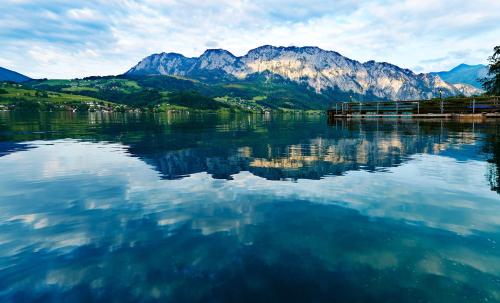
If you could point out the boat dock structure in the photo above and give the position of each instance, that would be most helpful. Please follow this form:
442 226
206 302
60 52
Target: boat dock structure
436 108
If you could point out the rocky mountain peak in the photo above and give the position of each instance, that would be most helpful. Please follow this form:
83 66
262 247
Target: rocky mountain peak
321 70
214 52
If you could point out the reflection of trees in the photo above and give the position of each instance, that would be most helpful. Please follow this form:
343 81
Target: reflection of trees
492 147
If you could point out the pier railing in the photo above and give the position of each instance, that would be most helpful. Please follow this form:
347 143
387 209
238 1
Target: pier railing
477 105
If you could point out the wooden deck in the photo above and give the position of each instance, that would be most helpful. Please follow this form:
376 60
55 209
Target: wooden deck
479 107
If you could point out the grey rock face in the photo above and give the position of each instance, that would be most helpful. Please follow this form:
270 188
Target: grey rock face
319 69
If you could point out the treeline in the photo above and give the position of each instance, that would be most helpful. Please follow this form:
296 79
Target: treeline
19 103
265 90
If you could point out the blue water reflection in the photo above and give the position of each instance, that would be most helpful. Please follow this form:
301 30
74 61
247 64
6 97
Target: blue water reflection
247 209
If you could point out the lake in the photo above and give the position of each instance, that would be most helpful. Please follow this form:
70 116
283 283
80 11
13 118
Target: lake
247 208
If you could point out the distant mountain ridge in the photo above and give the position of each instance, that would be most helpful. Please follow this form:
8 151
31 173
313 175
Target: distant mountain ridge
8 75
465 74
326 72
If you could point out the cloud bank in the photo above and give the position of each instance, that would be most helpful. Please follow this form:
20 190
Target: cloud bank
65 39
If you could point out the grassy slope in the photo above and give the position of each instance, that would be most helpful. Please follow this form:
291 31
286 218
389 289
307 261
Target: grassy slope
155 92
260 92
17 92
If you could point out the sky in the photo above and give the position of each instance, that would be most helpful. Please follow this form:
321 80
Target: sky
68 39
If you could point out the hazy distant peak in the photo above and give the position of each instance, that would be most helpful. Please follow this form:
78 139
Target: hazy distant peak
465 66
465 74
9 75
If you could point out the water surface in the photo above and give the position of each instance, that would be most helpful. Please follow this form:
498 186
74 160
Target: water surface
236 208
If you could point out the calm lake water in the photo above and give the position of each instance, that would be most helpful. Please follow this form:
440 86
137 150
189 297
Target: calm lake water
247 208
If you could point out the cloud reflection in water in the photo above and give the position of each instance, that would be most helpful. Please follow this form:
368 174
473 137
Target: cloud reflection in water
84 220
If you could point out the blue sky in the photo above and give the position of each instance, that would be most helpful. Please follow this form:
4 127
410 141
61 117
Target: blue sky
65 39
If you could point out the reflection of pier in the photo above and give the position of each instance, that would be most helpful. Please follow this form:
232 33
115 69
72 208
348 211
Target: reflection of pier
481 107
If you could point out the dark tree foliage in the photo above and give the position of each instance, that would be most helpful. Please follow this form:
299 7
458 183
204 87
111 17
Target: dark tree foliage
54 88
163 82
492 83
41 94
28 105
195 100
144 97
492 147
3 91
99 77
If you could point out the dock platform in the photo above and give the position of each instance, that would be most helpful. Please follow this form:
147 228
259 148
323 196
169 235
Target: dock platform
452 108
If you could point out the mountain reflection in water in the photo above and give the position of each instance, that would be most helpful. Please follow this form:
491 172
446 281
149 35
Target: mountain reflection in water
276 148
183 208
341 148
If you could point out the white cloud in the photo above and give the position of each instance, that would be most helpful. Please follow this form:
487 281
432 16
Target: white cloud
407 33
83 14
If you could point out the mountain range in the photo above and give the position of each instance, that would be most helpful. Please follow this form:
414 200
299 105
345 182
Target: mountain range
8 75
465 74
325 72
267 77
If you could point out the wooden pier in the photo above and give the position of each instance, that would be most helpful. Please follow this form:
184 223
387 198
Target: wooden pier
481 107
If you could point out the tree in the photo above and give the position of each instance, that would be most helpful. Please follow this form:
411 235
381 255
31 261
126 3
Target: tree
492 83
41 94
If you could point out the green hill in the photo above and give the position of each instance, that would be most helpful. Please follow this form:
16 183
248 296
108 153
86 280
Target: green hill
22 96
260 92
